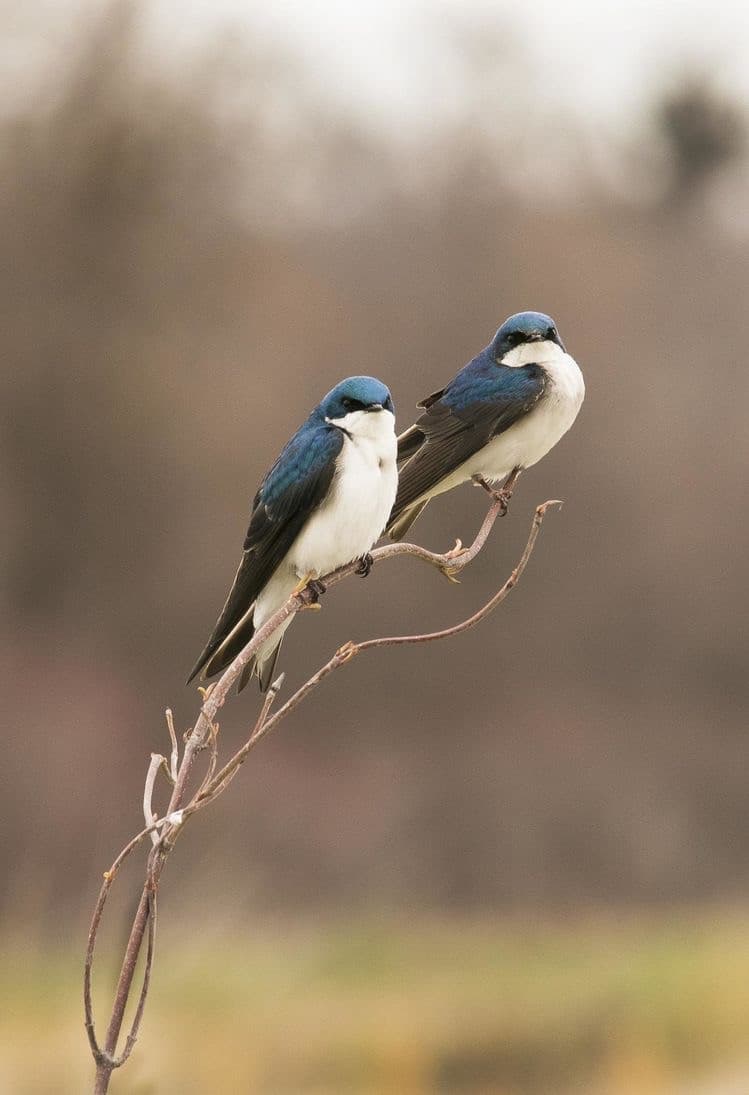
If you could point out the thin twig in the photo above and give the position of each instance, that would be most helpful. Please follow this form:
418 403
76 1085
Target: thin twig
213 741
130 1040
174 758
213 787
477 617
109 877
148 815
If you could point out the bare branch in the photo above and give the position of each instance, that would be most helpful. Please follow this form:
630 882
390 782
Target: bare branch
213 742
109 877
204 734
135 1027
212 788
482 613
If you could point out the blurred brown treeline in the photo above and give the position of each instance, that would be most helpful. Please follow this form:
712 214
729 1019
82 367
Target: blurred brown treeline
187 265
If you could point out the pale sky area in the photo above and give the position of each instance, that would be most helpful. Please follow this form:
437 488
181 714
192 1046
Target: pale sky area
392 60
389 55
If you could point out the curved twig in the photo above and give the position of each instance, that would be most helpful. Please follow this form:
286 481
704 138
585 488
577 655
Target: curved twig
130 1040
109 876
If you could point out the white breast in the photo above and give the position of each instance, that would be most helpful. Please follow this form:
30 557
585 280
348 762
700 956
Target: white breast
353 516
347 524
525 443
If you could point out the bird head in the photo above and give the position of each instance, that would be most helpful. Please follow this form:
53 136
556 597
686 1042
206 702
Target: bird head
526 337
358 403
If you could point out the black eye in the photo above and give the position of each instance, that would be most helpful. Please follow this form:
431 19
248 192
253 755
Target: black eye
516 338
352 404
551 333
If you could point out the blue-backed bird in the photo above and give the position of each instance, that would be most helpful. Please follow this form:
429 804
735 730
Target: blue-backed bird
501 413
324 503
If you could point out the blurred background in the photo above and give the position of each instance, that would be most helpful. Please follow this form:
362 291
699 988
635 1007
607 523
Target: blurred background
523 875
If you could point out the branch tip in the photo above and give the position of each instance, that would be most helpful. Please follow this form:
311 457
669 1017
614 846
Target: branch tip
174 759
148 815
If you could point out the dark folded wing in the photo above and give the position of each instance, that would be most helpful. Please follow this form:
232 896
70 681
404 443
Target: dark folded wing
294 487
452 429
409 443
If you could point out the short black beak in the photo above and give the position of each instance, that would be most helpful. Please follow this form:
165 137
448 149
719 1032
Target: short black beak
374 407
537 336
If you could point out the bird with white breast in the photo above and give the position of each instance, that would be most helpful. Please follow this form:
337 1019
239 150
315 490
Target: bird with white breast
499 415
324 503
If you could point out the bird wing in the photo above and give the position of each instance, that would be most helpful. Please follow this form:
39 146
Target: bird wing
411 441
292 490
458 421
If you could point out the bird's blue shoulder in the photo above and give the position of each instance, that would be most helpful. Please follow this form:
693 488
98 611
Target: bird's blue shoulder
484 381
309 455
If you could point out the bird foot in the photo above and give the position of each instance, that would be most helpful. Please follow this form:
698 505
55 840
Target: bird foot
347 652
501 494
450 573
364 565
503 497
311 594
312 587
454 553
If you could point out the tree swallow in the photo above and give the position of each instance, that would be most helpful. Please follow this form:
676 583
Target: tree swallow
501 413
324 503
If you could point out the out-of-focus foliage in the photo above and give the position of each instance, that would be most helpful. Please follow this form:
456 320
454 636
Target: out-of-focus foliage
703 132
188 263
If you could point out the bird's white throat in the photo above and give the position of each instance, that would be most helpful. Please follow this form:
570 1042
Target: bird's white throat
367 425
533 353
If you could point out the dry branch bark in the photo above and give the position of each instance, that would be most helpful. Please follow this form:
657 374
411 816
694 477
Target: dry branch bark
165 831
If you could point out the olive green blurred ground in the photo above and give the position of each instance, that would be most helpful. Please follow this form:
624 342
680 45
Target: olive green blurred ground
606 1006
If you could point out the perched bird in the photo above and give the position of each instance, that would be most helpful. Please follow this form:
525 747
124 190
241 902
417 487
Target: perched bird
501 413
324 503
